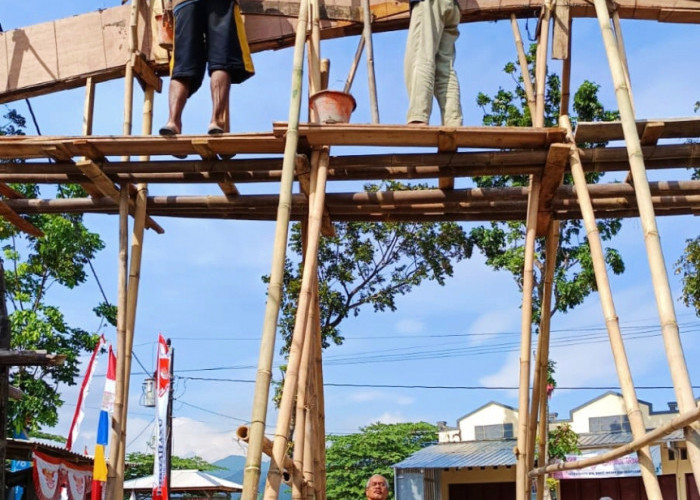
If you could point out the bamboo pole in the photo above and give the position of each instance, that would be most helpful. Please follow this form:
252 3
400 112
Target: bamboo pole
682 420
89 106
634 413
300 437
539 386
524 68
355 63
566 76
290 381
659 276
623 53
251 474
314 50
115 476
367 35
137 233
243 433
320 456
522 485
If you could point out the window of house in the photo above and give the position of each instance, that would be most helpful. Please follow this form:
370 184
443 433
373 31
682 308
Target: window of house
613 424
497 431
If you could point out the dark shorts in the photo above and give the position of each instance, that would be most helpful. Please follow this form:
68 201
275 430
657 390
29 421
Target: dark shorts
206 37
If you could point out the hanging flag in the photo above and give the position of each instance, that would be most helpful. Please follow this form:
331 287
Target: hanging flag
84 389
99 471
160 467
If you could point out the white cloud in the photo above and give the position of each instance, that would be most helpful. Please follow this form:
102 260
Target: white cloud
192 437
410 326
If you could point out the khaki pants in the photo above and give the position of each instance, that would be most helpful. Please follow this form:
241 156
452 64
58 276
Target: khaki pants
429 61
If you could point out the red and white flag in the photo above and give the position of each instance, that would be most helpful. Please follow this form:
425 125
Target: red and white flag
160 466
84 389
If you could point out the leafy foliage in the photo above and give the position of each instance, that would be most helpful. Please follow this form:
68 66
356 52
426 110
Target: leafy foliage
688 266
502 243
562 441
141 464
32 266
352 459
371 264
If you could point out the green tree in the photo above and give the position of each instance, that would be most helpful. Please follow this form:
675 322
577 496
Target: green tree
32 267
371 264
688 266
563 441
352 459
141 464
502 243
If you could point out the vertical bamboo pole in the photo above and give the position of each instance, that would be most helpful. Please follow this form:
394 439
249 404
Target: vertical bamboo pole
367 35
524 68
314 52
566 77
634 413
522 483
135 263
89 106
115 475
320 458
539 386
659 276
279 447
251 474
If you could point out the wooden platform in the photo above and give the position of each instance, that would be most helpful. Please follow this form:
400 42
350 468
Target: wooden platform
479 151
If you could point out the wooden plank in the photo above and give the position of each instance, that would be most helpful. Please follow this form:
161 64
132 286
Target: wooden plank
447 143
424 136
31 54
651 133
560 33
146 75
99 179
81 34
674 128
23 225
29 358
552 176
4 76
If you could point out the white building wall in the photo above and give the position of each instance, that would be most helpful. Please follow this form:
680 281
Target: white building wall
491 414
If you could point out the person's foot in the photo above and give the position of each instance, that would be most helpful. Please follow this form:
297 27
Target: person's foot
168 130
214 129
416 123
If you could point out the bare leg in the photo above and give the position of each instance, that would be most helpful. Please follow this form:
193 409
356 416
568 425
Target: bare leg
177 97
220 86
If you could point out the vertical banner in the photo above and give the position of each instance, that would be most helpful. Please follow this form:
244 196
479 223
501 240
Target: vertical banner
160 467
84 388
99 471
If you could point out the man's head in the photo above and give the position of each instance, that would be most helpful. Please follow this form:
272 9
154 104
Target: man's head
377 488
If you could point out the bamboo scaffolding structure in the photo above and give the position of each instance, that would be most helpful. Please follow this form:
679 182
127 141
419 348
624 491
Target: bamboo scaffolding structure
634 414
320 452
539 385
682 420
89 106
291 378
251 473
243 433
659 277
367 35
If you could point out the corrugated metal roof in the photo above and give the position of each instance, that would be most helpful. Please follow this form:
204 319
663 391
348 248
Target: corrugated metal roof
609 440
464 454
186 480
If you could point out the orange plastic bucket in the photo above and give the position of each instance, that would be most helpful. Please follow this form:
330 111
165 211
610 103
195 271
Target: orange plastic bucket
332 106
165 31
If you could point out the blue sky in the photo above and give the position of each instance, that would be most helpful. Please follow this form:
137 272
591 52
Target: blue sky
201 286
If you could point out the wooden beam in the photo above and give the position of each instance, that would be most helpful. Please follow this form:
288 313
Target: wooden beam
557 160
447 143
145 74
23 225
29 358
673 128
425 136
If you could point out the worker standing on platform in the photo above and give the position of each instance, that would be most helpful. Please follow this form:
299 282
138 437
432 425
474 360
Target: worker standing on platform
429 61
208 33
377 488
